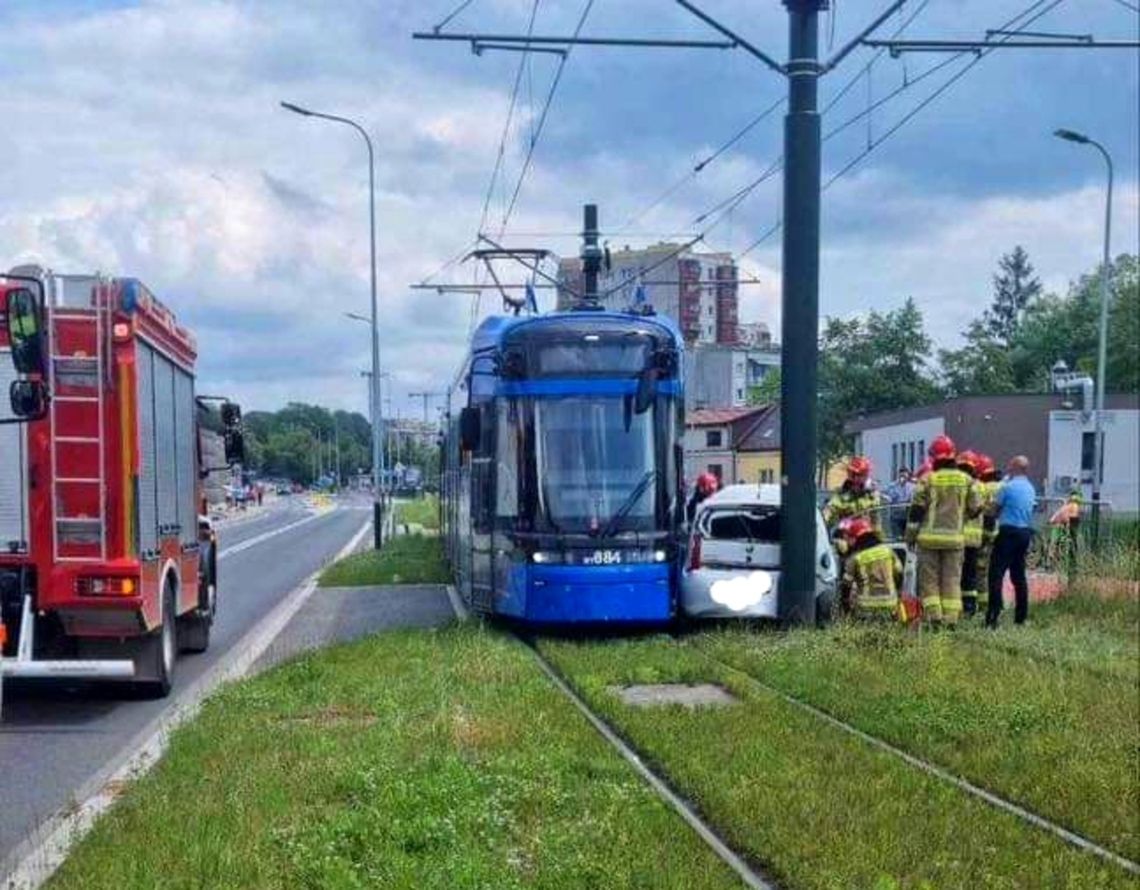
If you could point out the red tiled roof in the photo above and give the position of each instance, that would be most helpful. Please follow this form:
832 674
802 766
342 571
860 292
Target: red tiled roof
721 416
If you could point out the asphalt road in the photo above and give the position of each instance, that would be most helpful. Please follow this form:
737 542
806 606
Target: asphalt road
56 738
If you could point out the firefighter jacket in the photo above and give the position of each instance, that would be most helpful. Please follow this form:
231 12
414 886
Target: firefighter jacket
847 502
875 576
973 530
989 506
942 504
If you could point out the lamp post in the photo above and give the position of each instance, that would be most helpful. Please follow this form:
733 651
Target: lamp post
377 444
375 410
1102 338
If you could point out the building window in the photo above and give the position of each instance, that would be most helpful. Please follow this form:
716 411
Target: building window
767 477
717 471
894 460
921 451
1088 447
910 460
713 439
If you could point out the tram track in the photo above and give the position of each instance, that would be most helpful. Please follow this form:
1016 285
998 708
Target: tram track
1003 804
751 876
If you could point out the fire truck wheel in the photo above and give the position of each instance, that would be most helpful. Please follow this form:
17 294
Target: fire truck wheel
155 663
194 627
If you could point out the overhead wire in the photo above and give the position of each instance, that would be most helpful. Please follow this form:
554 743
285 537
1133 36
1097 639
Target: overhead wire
447 18
1128 5
543 116
1035 12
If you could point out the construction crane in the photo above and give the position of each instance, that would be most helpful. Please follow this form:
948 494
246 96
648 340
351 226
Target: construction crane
425 396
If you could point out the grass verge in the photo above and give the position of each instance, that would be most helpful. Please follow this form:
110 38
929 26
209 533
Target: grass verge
423 511
442 759
405 559
1018 713
816 806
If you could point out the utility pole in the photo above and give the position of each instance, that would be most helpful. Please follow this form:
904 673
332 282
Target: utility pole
425 396
800 319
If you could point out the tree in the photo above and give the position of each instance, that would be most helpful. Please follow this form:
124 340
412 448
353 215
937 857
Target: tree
767 390
877 363
1015 289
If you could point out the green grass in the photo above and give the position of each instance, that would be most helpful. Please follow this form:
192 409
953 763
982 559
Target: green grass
424 511
439 759
1046 715
817 806
405 559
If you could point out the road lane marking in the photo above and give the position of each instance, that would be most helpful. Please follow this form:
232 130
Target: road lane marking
37 858
272 533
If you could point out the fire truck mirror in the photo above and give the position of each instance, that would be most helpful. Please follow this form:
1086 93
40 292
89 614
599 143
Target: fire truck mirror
231 415
29 399
26 331
235 447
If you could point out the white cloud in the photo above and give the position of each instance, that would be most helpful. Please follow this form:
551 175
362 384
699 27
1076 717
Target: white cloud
147 141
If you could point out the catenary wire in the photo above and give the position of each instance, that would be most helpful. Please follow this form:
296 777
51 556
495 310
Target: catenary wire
462 6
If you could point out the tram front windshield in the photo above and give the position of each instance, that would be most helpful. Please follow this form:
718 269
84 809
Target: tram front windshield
596 465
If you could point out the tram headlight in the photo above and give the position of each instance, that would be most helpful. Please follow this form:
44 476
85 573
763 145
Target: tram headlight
660 556
545 557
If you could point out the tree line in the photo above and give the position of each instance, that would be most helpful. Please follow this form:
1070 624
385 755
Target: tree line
300 442
885 360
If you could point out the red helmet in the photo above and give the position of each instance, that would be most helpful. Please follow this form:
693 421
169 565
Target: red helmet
707 483
986 467
856 527
925 470
942 448
858 467
968 461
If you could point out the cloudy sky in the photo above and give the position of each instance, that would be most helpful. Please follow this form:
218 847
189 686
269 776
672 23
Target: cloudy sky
145 139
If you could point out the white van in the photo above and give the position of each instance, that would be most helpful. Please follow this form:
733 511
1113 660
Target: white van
733 564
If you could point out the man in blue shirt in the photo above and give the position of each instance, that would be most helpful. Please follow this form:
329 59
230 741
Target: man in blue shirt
1014 503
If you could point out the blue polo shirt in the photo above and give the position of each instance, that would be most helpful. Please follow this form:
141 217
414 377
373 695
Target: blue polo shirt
1016 498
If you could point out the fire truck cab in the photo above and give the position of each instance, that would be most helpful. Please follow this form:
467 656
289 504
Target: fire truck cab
108 565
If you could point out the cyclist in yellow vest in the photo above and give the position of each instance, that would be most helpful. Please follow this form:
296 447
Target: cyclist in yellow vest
942 503
872 571
967 462
988 484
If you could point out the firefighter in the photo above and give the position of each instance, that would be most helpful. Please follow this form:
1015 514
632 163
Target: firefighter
967 462
856 497
707 484
872 572
942 503
988 485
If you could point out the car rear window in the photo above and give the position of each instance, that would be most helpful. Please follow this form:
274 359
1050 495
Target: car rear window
754 524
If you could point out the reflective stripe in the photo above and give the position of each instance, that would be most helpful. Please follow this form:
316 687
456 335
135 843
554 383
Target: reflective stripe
951 606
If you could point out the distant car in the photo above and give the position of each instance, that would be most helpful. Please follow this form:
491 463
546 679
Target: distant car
733 565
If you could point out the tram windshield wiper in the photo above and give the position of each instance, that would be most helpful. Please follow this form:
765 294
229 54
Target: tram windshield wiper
628 504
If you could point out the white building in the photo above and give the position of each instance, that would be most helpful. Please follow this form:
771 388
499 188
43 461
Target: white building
1055 432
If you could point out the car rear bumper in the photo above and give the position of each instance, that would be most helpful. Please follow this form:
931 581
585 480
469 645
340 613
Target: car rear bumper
736 593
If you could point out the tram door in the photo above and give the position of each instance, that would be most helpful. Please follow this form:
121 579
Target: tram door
483 488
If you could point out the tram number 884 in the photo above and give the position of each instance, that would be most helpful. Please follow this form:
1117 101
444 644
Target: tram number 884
602 558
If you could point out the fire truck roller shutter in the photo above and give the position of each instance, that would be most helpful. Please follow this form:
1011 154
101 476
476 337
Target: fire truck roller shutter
185 420
166 456
13 466
147 484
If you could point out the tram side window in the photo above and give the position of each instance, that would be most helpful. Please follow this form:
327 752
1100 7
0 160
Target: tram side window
483 470
507 470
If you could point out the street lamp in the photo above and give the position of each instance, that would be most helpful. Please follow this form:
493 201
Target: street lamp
377 444
375 407
1102 343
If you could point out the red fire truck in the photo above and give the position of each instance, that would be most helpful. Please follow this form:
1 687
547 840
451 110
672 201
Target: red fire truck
107 565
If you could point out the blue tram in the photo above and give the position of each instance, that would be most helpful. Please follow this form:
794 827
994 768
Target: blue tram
562 464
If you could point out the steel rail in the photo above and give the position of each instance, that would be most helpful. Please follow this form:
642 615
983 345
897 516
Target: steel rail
746 872
994 800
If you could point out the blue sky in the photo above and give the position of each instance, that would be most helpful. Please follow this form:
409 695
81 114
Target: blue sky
145 139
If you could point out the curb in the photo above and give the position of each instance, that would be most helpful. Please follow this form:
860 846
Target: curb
36 859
